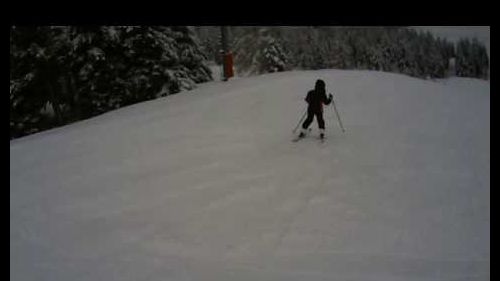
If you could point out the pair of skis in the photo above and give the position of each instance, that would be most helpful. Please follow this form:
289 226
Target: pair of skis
296 139
299 138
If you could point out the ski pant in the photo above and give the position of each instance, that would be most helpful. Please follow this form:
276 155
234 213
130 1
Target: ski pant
310 117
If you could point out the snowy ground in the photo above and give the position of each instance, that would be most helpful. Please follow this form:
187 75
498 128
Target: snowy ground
206 185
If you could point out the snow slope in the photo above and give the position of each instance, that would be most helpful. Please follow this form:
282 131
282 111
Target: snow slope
206 185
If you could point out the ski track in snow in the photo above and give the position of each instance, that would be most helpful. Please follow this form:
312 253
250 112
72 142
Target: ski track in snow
207 185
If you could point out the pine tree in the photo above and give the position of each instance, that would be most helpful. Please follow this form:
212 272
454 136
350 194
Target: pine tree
275 57
258 51
82 71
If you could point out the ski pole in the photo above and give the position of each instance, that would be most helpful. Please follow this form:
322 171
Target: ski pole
338 116
300 121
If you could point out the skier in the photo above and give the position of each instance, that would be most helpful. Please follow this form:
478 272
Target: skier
315 99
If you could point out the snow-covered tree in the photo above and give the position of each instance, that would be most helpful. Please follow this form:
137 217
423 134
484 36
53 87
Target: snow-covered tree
258 51
275 57
77 72
472 59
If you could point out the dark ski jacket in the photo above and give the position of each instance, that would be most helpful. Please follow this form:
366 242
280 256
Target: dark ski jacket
316 98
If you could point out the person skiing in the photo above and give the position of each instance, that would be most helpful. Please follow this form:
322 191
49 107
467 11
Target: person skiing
315 99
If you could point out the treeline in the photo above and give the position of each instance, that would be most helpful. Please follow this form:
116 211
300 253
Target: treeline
393 49
63 74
